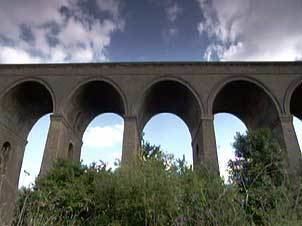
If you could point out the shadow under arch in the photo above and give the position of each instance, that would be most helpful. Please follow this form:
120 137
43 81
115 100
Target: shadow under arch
293 107
293 99
216 90
248 100
170 95
91 99
34 80
24 103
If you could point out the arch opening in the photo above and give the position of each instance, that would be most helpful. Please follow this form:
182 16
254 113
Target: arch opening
253 108
24 104
90 100
248 102
298 130
296 111
102 140
170 97
171 133
34 151
295 102
226 126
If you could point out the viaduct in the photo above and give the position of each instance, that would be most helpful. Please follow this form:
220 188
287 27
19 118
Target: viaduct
261 94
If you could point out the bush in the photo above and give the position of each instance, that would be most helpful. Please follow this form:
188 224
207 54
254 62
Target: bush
153 192
159 190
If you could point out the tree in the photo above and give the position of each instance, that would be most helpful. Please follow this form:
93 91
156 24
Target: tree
259 158
258 171
149 151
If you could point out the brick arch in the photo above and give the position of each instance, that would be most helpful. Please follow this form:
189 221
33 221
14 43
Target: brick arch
218 87
248 100
251 102
24 102
170 95
91 98
33 79
292 99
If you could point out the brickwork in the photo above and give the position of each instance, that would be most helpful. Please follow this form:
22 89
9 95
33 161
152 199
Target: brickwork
260 94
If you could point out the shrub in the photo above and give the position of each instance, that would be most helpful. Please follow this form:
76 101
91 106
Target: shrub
159 190
153 192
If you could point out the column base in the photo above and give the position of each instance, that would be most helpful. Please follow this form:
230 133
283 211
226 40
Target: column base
8 194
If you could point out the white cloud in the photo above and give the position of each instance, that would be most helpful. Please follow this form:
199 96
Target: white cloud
15 56
78 36
200 28
111 6
252 30
173 11
33 12
100 137
173 31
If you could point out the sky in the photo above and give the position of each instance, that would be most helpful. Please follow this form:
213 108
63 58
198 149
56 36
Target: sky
64 31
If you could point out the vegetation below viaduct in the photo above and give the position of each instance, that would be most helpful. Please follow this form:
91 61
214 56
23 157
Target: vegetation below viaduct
160 190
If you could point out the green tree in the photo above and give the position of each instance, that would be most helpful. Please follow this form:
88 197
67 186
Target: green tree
258 172
259 159
149 151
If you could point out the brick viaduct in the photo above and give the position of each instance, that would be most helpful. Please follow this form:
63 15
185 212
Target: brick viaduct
260 94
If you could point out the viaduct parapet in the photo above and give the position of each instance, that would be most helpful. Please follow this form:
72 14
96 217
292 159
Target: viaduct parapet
261 94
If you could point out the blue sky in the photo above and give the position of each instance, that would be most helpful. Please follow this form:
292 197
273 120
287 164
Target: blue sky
63 31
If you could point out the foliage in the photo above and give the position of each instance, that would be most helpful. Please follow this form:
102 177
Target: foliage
259 158
159 190
149 151
154 192
260 176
